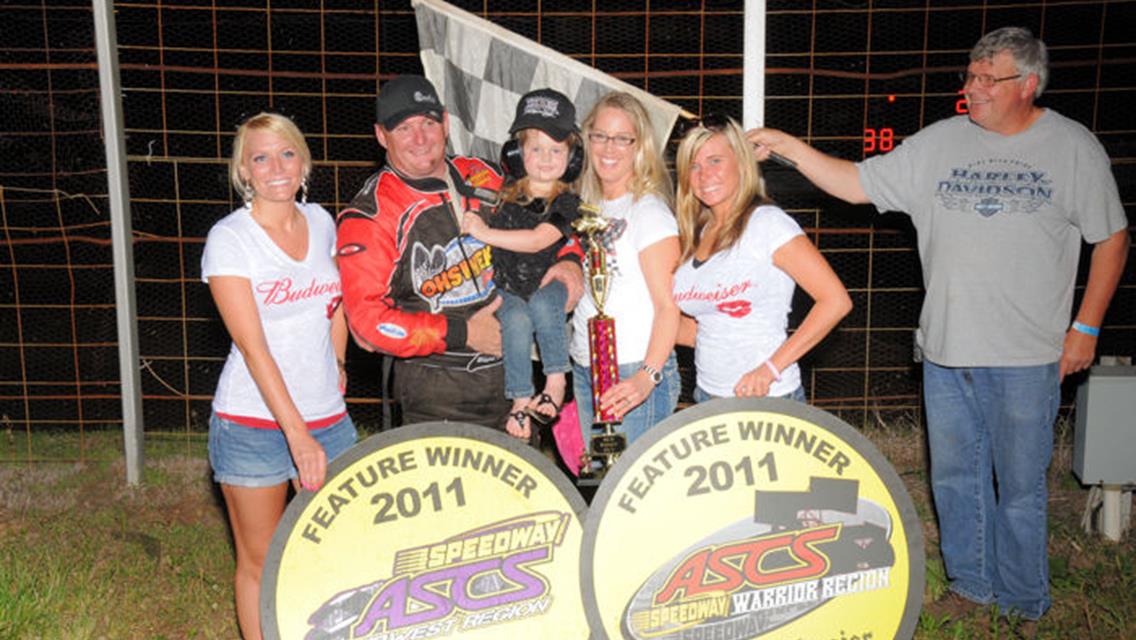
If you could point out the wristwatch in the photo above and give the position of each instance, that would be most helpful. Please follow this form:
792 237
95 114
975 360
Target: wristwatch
655 375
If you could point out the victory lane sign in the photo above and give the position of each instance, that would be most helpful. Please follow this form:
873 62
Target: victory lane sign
752 518
432 530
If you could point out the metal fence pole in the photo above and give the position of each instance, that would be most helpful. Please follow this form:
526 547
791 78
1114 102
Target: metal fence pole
753 68
121 236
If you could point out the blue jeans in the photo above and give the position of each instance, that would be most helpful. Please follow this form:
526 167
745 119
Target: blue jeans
543 315
797 394
250 457
660 404
990 432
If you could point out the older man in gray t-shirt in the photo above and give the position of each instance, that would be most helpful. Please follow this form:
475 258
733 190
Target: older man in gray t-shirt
1001 199
999 223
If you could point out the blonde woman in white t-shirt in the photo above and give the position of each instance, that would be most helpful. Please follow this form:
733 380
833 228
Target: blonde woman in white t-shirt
626 177
742 257
278 412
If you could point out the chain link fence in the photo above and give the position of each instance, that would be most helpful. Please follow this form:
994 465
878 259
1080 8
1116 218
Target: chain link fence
853 78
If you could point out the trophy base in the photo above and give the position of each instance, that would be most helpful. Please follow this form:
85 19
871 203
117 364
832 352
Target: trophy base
605 448
590 476
608 445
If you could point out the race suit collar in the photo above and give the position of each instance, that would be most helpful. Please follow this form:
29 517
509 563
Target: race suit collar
430 184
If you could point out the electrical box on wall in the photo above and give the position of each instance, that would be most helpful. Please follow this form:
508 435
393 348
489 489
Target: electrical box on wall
1104 445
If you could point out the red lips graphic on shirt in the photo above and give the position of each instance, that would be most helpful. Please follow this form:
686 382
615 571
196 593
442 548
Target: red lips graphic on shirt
735 308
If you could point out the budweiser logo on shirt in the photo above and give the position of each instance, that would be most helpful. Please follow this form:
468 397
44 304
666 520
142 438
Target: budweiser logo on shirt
284 291
713 295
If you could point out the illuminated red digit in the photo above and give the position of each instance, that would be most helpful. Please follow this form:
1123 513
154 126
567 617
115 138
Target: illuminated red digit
960 104
869 140
887 139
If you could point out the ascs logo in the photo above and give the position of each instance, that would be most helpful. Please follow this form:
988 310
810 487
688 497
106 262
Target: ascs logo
428 531
752 518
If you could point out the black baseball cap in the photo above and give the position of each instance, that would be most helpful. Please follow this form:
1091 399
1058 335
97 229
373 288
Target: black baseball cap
406 96
548 110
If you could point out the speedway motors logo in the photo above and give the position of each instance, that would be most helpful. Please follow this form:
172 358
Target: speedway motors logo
752 519
430 531
476 579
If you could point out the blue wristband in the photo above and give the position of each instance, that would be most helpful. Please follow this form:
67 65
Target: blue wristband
1086 329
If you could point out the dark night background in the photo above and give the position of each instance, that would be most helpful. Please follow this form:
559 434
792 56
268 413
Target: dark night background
190 69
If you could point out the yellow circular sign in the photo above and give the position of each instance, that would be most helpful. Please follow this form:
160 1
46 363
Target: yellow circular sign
752 518
427 531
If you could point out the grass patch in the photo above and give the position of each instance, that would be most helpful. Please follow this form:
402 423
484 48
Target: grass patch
83 555
1091 580
92 444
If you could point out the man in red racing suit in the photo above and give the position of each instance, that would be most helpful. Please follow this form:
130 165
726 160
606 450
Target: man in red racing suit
414 287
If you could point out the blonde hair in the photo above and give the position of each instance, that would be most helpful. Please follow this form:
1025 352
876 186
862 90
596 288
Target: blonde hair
692 215
648 173
272 123
518 190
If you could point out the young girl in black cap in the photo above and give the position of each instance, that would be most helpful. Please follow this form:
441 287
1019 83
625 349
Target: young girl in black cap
531 225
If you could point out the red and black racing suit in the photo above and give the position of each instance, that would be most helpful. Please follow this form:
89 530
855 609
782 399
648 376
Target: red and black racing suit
411 280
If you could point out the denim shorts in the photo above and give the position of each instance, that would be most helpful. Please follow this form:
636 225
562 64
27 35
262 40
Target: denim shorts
249 457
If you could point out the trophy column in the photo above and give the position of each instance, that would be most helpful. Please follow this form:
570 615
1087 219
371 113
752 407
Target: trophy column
606 445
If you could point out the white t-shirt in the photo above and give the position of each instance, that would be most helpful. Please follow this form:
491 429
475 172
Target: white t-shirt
294 300
648 220
999 221
741 301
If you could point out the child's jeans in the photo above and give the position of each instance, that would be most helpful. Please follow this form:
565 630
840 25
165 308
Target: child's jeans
543 315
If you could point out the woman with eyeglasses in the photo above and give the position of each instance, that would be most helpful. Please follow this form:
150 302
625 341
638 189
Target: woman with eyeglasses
626 177
742 257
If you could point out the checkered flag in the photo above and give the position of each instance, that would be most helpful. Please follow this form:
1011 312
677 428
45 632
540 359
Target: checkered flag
481 71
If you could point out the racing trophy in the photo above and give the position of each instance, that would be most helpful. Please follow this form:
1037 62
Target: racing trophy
606 446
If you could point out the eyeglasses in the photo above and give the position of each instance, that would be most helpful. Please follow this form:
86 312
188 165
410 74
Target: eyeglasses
620 140
984 80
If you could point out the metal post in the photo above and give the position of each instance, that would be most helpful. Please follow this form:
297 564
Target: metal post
753 69
1116 511
121 236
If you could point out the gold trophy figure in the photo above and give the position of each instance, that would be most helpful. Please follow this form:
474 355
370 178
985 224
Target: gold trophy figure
605 446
